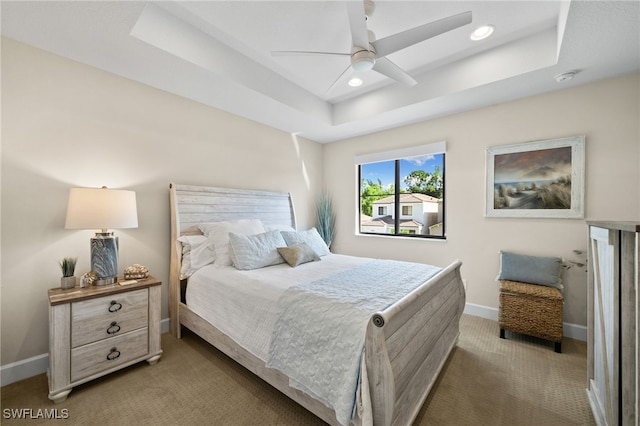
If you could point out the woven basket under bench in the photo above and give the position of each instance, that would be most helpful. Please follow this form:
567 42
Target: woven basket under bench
531 309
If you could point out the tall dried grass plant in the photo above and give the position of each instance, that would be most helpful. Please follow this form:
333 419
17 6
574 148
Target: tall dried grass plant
326 217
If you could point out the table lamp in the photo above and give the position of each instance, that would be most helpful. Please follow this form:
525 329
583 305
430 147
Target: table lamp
101 209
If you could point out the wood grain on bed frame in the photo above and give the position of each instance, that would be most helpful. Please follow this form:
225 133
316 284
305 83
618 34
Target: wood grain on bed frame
192 205
406 345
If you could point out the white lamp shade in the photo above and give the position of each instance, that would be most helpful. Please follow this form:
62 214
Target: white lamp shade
101 208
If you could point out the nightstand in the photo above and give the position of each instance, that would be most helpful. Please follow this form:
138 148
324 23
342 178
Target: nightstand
97 330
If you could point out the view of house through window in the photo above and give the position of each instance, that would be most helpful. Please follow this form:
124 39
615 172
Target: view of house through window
403 196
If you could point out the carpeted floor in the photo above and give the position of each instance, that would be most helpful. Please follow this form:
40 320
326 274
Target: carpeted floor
487 381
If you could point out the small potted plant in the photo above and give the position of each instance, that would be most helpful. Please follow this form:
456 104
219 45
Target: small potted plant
68 266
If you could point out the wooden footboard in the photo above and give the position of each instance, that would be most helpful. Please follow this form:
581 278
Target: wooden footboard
408 344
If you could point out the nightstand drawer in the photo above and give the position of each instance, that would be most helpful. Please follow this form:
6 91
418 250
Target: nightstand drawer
106 354
108 316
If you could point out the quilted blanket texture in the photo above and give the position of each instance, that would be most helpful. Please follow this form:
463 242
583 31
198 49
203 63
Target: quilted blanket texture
319 334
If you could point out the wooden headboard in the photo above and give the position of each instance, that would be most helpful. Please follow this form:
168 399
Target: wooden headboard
193 205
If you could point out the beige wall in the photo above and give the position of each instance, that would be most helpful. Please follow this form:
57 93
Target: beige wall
607 113
66 125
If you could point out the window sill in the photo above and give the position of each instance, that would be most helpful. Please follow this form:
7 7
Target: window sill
402 237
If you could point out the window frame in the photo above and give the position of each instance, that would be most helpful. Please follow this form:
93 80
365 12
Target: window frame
359 161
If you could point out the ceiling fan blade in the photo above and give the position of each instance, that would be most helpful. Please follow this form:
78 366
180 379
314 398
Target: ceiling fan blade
386 67
305 53
358 24
338 79
393 43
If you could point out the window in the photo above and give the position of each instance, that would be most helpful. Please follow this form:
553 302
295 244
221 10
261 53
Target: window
402 193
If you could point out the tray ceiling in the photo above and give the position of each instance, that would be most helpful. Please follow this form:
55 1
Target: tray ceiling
220 53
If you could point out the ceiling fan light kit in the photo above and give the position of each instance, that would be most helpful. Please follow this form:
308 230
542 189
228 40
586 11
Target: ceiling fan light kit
363 60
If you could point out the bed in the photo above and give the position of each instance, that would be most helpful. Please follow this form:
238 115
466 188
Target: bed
405 342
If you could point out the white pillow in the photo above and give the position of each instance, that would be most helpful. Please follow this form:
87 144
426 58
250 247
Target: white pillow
218 233
196 253
255 251
311 237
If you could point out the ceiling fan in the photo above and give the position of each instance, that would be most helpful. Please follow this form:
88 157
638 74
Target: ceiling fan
368 53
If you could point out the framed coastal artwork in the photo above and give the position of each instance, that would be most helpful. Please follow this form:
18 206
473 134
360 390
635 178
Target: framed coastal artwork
541 179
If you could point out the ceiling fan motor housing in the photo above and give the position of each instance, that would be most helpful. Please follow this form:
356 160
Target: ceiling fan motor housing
363 59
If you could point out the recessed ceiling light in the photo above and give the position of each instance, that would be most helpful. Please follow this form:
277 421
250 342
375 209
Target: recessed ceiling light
482 32
355 82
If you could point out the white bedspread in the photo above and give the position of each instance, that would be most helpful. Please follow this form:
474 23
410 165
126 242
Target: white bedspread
319 333
242 304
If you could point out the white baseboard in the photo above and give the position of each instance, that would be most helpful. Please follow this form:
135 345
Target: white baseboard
481 311
33 366
23 369
572 331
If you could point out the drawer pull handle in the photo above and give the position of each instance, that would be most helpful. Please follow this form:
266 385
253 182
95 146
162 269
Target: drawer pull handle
113 354
113 328
115 306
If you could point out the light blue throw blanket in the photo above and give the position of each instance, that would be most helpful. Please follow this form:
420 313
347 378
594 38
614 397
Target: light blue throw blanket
319 334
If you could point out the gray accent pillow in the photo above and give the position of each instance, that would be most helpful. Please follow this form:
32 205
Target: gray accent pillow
531 269
298 254
311 237
255 251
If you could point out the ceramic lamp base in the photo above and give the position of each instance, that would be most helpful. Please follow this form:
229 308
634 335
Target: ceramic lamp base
104 258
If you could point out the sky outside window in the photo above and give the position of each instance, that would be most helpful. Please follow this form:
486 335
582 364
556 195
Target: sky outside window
384 170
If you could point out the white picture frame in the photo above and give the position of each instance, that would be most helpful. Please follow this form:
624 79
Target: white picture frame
541 179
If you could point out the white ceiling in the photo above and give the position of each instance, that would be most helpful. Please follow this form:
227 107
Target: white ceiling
219 53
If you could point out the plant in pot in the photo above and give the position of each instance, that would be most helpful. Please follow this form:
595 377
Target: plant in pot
68 266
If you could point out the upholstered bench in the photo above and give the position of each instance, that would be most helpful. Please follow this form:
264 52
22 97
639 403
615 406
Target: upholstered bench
531 302
531 309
